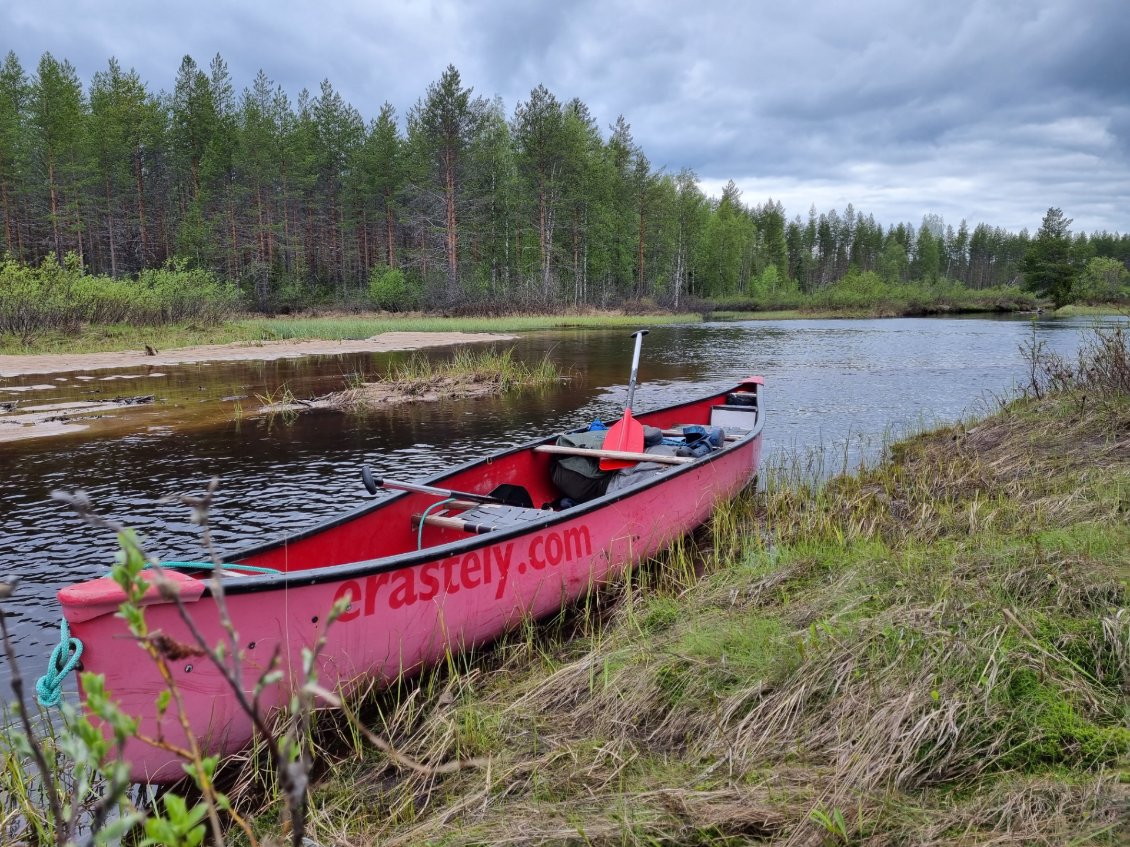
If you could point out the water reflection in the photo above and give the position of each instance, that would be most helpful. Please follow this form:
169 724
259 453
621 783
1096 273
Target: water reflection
832 383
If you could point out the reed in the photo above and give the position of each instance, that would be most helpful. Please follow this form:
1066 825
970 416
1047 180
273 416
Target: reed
469 366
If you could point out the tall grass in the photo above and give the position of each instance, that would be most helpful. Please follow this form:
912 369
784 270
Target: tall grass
934 650
467 373
469 366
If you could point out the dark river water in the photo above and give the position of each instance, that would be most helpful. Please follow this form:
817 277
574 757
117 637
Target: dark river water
841 386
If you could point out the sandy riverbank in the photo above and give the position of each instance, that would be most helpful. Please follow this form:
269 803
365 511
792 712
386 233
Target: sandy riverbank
50 363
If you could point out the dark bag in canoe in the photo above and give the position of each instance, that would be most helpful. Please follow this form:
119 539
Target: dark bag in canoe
578 477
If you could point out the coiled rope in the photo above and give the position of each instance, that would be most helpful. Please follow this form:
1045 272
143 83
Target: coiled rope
210 566
64 659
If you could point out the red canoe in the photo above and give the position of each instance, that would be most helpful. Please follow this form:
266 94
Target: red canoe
480 570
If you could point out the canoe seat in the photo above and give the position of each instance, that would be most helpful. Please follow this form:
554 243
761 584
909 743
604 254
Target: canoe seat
483 517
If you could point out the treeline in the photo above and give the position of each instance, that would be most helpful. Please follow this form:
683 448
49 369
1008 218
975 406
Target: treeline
296 202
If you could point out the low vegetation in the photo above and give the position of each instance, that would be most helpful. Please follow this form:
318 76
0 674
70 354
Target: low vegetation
58 308
61 299
934 650
469 373
62 322
419 374
866 294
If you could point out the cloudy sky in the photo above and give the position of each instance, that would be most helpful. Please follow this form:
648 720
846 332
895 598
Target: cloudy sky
988 110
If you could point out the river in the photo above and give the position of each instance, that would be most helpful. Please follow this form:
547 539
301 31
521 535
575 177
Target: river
837 388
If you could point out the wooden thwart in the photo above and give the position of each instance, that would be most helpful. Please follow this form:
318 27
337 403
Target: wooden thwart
624 455
454 523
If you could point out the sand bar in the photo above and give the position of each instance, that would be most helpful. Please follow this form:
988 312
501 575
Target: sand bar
50 363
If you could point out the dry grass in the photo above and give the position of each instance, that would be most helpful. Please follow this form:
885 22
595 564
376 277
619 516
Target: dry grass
935 651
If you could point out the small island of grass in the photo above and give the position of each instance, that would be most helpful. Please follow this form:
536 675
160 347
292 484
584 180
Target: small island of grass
467 374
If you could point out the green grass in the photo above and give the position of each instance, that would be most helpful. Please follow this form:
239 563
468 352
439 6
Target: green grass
468 373
866 295
253 330
348 327
471 366
1078 310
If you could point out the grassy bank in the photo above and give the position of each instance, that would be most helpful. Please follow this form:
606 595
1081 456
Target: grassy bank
1098 311
249 330
935 651
865 295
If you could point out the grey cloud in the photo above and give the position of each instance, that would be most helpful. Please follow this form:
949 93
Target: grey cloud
985 109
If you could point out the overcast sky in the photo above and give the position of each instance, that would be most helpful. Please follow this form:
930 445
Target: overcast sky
988 110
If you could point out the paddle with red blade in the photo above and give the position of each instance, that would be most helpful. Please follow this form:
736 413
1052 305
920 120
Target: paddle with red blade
627 433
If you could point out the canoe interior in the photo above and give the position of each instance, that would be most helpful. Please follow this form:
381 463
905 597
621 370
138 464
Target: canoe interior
389 528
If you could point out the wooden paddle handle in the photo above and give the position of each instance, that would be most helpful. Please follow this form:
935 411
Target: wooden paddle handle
614 454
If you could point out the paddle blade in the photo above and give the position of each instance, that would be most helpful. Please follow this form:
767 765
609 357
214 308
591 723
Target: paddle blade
626 435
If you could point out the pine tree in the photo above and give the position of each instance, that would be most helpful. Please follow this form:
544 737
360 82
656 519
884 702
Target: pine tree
14 91
58 123
493 180
124 123
537 129
444 124
384 166
259 163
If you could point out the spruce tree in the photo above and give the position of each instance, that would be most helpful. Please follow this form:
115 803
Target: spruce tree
1048 266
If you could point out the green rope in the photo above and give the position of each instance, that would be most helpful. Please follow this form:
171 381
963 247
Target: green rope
64 659
420 530
208 566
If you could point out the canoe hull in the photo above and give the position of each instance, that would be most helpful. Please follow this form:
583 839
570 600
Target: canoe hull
402 615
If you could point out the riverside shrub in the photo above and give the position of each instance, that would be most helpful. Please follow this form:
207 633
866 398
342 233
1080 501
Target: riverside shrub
390 289
60 297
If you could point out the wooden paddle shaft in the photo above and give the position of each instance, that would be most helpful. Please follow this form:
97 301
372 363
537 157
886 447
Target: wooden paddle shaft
624 455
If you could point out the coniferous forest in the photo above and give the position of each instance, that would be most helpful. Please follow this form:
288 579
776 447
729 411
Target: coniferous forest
459 202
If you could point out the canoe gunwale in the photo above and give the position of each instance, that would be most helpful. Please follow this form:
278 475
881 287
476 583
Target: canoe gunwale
365 567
